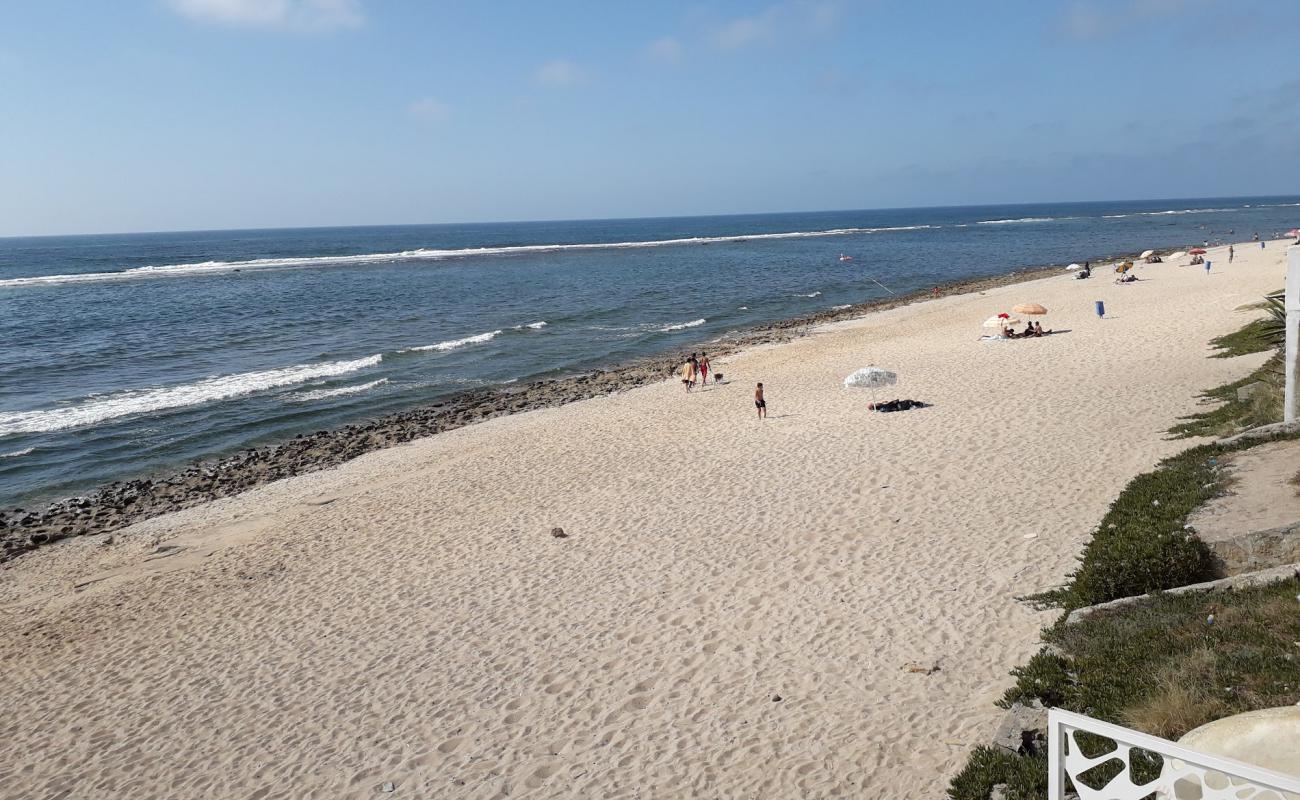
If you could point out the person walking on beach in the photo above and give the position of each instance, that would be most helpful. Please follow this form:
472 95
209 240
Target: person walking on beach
1229 254
688 372
704 368
759 402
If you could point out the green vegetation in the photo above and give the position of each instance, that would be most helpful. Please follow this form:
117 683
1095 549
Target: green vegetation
1231 414
1159 666
1025 777
1141 545
1250 339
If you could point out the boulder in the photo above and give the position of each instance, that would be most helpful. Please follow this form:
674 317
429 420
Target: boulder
1023 729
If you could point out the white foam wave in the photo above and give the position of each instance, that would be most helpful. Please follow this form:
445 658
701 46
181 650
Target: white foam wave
814 294
96 409
1020 219
17 453
536 326
1170 212
840 308
342 391
452 344
692 324
420 254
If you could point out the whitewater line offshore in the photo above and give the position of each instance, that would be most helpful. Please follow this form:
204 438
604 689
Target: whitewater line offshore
419 254
435 254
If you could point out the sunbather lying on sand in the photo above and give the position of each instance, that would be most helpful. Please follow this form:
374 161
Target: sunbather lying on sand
896 405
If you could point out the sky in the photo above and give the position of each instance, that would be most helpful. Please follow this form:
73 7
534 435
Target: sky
147 115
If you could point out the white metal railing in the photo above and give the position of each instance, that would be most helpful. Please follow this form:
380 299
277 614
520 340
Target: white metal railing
1187 774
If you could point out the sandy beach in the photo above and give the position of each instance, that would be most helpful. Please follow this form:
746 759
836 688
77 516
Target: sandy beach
739 608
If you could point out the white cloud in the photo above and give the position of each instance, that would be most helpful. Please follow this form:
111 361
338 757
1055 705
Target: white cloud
429 109
745 31
295 15
798 18
559 73
1089 20
666 50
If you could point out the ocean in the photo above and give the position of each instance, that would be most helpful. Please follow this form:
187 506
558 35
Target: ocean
123 355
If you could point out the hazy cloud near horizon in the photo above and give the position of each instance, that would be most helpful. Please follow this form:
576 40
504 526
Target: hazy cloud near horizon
171 114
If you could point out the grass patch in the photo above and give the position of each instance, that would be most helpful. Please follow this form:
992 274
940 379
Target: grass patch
1025 778
1231 415
1158 666
1141 664
1141 545
1253 337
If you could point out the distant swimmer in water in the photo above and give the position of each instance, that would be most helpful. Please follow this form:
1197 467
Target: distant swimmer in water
844 257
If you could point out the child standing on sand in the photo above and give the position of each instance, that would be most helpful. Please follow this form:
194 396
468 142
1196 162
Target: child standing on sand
759 402
688 372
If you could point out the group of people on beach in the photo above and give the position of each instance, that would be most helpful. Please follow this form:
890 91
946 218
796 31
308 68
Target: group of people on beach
1032 330
696 370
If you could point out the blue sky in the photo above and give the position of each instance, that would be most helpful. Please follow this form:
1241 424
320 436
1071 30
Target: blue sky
186 114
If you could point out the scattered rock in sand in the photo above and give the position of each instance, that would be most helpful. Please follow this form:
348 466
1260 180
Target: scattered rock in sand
776 698
926 668
559 533
388 786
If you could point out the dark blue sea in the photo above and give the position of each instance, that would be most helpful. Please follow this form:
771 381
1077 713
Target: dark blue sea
124 354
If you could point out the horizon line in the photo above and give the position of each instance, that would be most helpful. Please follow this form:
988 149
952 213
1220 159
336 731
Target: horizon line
354 226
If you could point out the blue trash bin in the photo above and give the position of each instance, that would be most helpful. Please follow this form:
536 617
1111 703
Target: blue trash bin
1101 309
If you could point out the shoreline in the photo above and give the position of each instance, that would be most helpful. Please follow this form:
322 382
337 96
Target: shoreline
119 504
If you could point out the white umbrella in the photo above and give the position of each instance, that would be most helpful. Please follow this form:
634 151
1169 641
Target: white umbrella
1074 266
872 378
1146 253
1000 322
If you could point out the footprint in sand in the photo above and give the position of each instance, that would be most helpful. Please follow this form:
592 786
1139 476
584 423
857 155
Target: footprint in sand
451 745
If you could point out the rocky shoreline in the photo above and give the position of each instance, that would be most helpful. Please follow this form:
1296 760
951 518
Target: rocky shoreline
123 503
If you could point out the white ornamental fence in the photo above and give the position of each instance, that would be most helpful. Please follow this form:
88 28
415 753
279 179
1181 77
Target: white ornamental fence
1186 774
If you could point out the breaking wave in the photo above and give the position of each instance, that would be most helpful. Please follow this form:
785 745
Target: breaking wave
452 344
682 325
420 254
342 391
1020 219
95 409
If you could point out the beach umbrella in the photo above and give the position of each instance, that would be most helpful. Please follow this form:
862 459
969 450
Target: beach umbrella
1197 251
1074 266
1147 254
871 378
1032 309
1293 232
